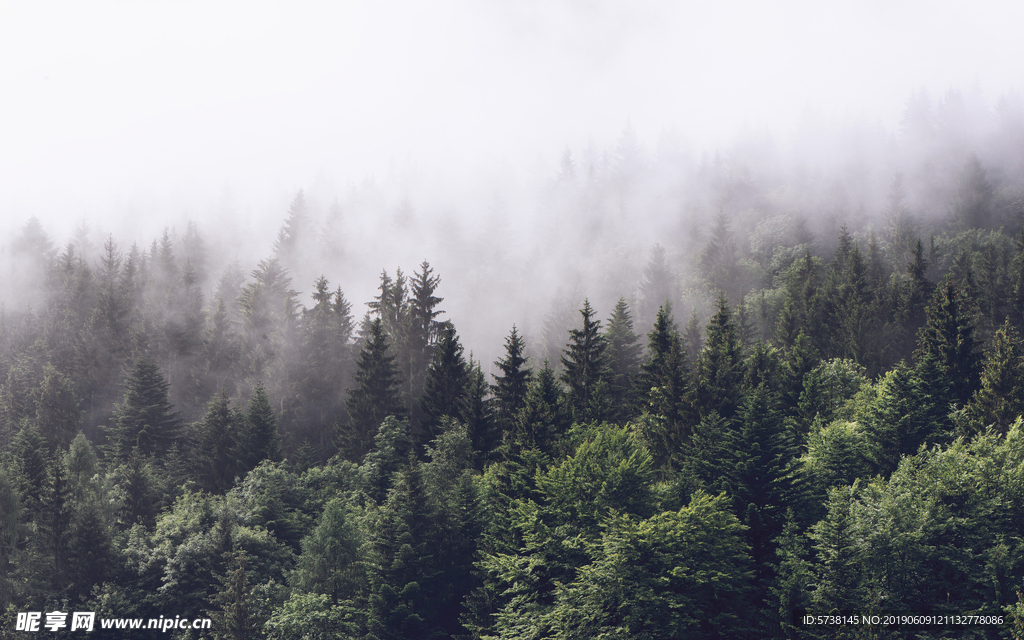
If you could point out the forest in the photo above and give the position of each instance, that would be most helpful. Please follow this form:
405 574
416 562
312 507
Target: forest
803 398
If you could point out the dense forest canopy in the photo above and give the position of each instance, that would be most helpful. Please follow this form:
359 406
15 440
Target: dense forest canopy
655 395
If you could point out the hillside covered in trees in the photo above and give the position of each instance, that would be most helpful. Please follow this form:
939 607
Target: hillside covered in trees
807 396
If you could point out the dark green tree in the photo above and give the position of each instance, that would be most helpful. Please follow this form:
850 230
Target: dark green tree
216 445
145 420
375 394
720 368
444 390
623 353
258 438
585 367
946 343
510 388
664 386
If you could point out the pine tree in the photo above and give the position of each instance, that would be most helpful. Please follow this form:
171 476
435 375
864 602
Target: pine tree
544 418
478 413
947 340
258 438
510 388
330 562
1000 399
424 329
293 231
444 390
145 420
623 359
58 411
216 445
375 394
585 366
720 366
664 385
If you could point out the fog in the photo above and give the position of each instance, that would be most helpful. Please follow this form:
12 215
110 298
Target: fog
533 152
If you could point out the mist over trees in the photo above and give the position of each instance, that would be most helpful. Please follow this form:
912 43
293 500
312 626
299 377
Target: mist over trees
650 394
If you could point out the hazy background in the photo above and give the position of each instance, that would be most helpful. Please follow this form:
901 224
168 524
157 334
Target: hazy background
135 116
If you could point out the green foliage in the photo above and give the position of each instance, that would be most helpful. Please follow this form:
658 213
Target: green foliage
586 368
258 438
1000 399
330 562
145 420
720 366
678 574
828 387
310 616
444 390
623 352
375 394
511 387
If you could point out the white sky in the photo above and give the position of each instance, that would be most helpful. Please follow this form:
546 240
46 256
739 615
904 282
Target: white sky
100 100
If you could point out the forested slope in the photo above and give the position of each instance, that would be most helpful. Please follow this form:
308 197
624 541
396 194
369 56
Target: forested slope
774 422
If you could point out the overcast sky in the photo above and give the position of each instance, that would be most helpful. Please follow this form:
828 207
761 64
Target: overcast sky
101 100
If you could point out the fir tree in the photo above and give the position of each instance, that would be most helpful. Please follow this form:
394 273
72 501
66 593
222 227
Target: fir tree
145 420
664 385
1000 399
444 390
720 366
216 445
258 437
375 394
947 340
510 388
623 359
585 366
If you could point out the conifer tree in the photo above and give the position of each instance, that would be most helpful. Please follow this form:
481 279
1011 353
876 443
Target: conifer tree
216 445
1000 399
145 420
478 413
510 388
258 438
424 329
58 410
585 366
947 343
623 361
544 417
330 560
720 366
375 394
664 385
444 390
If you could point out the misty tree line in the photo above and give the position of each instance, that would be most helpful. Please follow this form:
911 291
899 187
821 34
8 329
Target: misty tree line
780 423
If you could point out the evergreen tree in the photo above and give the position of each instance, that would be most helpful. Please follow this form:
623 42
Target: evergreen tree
478 413
947 343
585 367
330 562
145 419
258 438
424 330
293 231
510 388
375 394
216 445
664 384
720 366
400 569
444 390
544 418
58 410
1000 399
623 361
